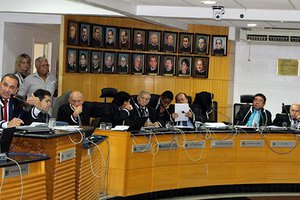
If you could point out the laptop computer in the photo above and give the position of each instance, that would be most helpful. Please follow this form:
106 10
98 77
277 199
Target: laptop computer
6 139
137 124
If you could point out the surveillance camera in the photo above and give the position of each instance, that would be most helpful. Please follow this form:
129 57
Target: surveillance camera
218 12
241 16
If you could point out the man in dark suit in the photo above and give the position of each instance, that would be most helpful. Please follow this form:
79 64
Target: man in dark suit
153 44
110 39
142 109
138 45
152 67
76 112
41 101
289 119
84 40
96 40
124 42
202 46
10 107
169 46
71 62
186 46
255 115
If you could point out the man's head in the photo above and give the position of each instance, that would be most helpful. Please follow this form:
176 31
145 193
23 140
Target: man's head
95 59
97 34
45 99
123 61
83 60
218 43
166 98
181 98
295 111
72 32
168 64
153 62
71 58
186 41
76 98
110 35
154 39
200 65
108 61
170 40
144 98
42 66
259 101
139 37
124 36
138 62
202 43
185 64
9 86
84 33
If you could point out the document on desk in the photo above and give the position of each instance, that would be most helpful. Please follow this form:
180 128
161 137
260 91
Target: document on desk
181 109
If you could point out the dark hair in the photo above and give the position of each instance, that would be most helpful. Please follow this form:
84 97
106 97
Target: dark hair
167 95
260 95
11 76
40 93
186 61
120 98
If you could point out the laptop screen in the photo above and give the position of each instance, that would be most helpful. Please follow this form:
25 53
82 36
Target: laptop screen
6 139
137 124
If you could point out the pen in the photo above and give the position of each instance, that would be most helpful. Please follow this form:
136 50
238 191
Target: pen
19 116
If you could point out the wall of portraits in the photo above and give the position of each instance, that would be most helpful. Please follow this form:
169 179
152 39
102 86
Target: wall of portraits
133 55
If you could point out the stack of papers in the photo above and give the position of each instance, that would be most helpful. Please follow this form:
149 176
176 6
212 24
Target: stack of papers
216 125
120 128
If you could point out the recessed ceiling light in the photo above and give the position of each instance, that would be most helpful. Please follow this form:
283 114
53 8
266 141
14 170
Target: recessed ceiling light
209 2
251 25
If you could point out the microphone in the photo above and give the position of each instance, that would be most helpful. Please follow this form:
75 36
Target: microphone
135 106
13 96
288 113
170 116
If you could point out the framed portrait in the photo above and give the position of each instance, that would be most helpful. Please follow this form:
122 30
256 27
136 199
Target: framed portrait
124 38
168 67
83 61
200 66
219 45
202 42
137 63
71 60
170 41
185 43
109 62
139 39
111 36
97 36
184 66
96 62
154 40
152 65
72 33
84 39
123 63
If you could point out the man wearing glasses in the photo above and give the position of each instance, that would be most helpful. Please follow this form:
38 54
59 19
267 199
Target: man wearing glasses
255 115
186 45
219 49
42 79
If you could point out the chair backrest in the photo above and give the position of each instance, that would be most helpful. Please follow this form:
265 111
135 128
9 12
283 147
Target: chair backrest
154 100
285 109
63 99
108 93
190 99
213 116
236 109
247 98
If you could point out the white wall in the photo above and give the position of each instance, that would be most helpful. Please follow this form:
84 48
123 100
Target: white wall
20 38
255 72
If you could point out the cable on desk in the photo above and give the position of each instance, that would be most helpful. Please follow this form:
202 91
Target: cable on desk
81 134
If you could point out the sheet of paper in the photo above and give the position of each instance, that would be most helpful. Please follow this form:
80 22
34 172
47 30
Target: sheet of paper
181 109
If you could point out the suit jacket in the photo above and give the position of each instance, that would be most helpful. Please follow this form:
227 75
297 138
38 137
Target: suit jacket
29 116
282 120
118 116
65 114
245 112
135 112
167 47
138 46
14 109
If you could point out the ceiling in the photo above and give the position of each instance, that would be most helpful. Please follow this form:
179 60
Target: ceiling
281 14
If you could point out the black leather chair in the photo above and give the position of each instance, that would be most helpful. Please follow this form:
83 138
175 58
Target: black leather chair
108 93
246 99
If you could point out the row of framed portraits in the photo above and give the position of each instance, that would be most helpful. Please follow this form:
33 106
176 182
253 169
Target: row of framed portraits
109 62
112 37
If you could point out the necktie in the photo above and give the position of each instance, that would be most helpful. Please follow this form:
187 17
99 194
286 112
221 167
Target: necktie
5 110
142 111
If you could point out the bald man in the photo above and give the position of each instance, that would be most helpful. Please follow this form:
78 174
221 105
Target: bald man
290 120
76 112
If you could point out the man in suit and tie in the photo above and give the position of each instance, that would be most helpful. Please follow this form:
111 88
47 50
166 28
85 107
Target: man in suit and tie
9 107
41 101
141 108
290 119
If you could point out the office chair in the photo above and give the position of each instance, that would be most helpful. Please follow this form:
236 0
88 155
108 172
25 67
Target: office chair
63 99
108 93
245 100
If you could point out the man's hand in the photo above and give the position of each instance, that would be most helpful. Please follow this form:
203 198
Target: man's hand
77 111
35 101
189 115
15 122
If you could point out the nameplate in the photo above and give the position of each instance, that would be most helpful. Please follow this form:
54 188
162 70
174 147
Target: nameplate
14 171
194 145
252 143
283 143
140 148
167 145
221 143
67 155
